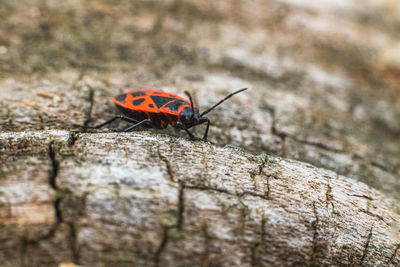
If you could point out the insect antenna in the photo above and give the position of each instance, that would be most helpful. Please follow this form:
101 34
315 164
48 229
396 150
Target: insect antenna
191 103
221 101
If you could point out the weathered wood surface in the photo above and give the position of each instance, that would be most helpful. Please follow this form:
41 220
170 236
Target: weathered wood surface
324 90
117 199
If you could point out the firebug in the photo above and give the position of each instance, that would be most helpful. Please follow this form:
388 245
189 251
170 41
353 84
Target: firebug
156 109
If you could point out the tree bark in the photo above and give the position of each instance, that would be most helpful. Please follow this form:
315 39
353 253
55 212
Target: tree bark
311 175
138 198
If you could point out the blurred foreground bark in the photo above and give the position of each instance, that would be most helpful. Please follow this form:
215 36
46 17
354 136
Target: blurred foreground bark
324 90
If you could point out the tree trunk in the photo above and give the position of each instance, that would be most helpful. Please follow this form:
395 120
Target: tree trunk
311 175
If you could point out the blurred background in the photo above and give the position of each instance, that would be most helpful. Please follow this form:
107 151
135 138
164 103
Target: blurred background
323 75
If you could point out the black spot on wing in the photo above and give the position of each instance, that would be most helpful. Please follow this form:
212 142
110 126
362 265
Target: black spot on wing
160 100
174 106
151 106
137 102
138 93
121 98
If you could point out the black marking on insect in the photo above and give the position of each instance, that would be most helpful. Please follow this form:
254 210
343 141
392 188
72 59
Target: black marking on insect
120 98
161 100
138 93
174 105
137 102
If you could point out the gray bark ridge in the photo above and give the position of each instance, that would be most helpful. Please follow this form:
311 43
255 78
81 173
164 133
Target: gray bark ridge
140 198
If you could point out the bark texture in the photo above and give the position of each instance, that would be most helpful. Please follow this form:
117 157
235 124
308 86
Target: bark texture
324 90
117 199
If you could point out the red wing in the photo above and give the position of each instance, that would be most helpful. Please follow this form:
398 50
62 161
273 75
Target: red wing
137 103
175 107
155 92
146 100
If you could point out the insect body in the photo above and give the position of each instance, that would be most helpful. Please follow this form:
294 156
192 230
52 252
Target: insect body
156 109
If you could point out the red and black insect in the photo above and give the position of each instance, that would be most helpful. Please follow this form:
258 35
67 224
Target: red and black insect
156 109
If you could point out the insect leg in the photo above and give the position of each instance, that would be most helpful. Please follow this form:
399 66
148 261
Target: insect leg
121 117
203 120
130 128
192 137
181 126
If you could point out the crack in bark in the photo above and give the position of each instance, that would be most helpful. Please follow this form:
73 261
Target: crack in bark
314 249
366 245
91 101
261 167
162 246
394 254
205 255
262 232
260 171
254 255
374 215
219 190
367 211
276 132
361 196
74 243
178 226
203 188
57 209
257 245
181 206
73 137
54 166
41 121
167 164
60 194
253 177
268 194
329 195
243 212
204 160
25 241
